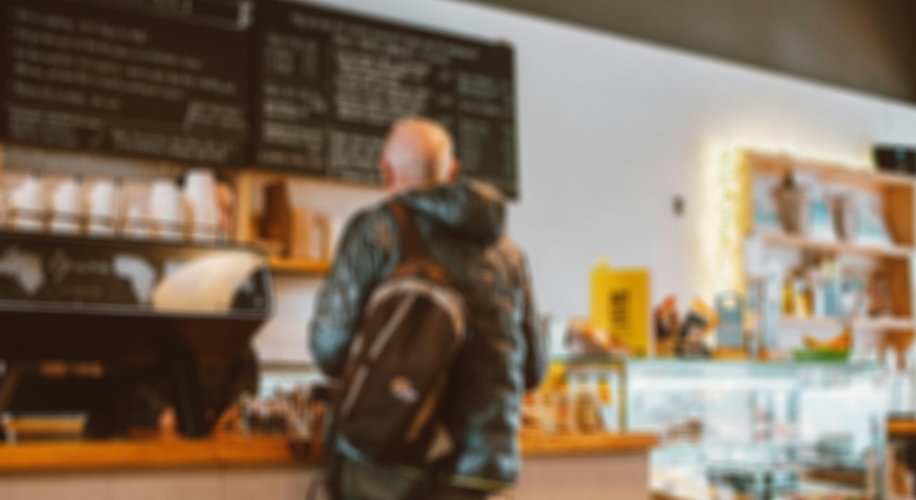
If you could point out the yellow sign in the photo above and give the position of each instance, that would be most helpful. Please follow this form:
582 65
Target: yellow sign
621 305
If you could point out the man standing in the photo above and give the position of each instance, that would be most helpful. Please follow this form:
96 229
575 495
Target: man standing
503 355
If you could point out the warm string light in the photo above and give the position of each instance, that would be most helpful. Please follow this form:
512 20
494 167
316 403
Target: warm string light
734 205
732 197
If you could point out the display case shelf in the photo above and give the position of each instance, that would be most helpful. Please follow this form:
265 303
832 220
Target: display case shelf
725 370
711 367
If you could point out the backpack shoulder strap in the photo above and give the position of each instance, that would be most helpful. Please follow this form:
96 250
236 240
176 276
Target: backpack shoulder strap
412 242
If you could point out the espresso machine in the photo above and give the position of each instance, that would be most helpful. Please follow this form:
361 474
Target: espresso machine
118 329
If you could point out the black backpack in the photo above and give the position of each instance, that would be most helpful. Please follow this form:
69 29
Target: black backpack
399 364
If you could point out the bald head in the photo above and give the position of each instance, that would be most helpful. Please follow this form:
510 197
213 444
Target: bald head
418 153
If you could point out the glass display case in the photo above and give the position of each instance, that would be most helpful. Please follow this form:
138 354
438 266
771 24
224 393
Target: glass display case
754 430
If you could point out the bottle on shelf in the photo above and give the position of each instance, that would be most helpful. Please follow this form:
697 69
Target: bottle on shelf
604 394
753 318
565 423
832 289
730 331
854 298
585 408
666 322
797 295
771 312
547 409
814 282
789 302
549 399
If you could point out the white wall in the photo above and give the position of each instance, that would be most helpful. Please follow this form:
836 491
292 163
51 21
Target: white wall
609 130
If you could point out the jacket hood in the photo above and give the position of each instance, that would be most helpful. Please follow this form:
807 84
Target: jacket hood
463 208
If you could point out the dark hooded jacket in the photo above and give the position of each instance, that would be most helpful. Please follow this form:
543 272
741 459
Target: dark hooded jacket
503 356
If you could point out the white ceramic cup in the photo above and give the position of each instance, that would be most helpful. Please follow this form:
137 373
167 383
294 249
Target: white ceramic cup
136 223
200 193
66 206
102 208
28 203
165 210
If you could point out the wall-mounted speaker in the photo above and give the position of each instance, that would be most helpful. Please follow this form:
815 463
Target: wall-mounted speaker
898 159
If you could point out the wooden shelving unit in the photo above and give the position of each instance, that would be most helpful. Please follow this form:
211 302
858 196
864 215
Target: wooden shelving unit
896 193
896 190
247 182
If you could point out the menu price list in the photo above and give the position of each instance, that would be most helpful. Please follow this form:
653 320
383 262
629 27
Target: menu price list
166 79
330 86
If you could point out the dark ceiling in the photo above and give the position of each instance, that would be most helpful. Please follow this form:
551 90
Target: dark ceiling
866 45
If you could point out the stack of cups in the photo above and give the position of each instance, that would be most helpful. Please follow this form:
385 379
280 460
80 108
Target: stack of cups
165 209
200 193
136 224
66 206
28 203
102 207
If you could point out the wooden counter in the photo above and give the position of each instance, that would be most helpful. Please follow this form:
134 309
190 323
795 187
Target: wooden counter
536 444
140 454
901 428
83 455
585 467
236 468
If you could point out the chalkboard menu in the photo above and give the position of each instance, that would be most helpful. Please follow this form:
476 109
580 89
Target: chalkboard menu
166 79
230 82
331 84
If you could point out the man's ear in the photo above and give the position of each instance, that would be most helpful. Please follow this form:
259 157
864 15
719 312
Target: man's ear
453 170
387 173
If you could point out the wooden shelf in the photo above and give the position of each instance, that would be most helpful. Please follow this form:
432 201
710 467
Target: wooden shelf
300 267
836 247
882 324
864 176
58 427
